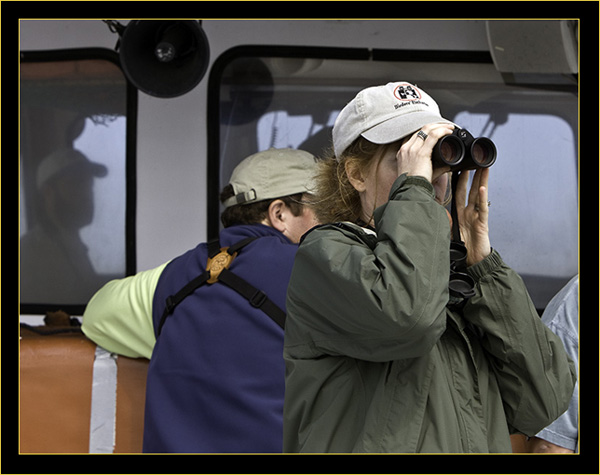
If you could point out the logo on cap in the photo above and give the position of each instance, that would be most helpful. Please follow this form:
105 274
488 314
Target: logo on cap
407 92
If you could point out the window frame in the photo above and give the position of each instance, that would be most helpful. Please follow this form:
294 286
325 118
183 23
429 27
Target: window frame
131 107
382 55
308 52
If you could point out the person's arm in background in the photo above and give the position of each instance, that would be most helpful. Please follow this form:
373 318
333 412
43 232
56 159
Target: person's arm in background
561 316
119 315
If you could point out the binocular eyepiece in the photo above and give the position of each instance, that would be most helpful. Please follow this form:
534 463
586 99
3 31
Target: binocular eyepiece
461 285
461 151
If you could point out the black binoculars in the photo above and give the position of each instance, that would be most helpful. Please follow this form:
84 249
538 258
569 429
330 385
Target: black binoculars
461 151
461 285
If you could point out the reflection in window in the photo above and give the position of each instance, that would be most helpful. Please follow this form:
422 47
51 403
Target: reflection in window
533 221
536 182
280 130
72 180
533 190
108 194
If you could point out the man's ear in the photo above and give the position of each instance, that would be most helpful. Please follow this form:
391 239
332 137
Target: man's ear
277 214
355 176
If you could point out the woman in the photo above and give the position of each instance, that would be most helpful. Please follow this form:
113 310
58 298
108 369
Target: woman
376 359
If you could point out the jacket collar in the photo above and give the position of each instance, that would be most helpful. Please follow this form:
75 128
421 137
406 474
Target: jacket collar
233 234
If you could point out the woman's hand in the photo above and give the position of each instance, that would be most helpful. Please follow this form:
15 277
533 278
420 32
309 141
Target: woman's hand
473 217
414 156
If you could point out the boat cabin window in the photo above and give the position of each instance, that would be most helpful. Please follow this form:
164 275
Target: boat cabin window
279 97
75 173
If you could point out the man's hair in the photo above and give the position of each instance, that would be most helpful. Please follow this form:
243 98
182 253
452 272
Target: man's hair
254 213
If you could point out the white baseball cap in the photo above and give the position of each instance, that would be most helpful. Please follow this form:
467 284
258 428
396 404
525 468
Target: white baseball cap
384 114
271 174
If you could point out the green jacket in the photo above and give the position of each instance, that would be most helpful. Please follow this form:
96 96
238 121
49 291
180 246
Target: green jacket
376 362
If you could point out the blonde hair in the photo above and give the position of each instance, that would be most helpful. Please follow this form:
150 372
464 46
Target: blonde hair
336 199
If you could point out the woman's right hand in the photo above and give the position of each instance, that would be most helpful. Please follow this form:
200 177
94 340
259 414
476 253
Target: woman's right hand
414 156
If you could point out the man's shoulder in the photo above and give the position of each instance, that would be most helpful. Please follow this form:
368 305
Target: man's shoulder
344 230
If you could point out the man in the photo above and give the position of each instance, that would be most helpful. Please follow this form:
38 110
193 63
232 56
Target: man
216 375
562 317
55 264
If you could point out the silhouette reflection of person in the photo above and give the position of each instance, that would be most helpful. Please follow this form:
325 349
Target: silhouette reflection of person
55 265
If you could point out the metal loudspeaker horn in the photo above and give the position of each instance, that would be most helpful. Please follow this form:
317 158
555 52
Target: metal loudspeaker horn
164 58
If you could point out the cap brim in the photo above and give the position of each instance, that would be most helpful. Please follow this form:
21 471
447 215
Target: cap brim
85 166
98 170
399 127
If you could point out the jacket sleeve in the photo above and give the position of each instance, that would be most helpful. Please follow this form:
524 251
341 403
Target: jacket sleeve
380 302
119 315
535 375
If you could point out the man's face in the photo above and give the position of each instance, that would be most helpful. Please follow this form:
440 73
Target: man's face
298 225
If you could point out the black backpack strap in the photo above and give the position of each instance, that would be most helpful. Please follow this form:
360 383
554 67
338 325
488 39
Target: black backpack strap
239 245
173 300
214 247
257 298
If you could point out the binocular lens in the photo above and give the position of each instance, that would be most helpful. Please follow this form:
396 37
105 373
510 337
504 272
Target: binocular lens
450 150
458 255
461 285
483 152
460 151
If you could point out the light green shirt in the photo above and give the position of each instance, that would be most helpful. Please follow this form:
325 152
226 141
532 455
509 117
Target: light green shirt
119 315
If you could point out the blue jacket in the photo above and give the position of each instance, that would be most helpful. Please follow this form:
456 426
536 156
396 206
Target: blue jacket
216 377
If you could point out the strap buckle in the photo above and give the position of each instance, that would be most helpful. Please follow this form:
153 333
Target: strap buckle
258 299
169 304
216 264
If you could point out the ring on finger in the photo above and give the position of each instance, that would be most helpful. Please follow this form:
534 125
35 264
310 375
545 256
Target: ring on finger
489 203
422 135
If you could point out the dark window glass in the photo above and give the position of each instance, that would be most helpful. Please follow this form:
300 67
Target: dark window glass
73 160
275 98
